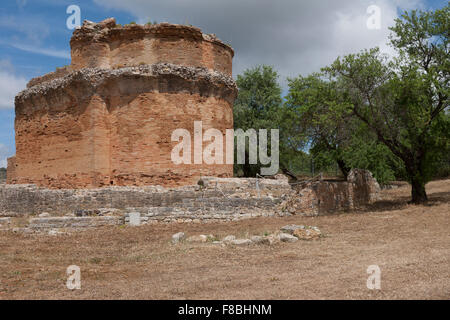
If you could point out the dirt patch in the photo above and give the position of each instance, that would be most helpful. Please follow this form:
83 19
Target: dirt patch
410 244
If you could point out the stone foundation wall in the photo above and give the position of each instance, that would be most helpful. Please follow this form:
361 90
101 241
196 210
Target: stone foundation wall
222 199
11 170
326 197
213 199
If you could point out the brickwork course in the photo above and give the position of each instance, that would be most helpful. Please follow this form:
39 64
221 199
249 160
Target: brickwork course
107 119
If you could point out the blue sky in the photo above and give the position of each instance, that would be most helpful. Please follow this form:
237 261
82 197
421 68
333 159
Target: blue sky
296 37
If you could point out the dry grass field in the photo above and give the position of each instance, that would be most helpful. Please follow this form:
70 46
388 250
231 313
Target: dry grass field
410 244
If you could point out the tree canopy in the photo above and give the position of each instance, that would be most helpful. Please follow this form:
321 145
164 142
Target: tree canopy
367 110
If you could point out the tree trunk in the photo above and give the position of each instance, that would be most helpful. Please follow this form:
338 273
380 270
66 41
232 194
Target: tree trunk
418 193
344 169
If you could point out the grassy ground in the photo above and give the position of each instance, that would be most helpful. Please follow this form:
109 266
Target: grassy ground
410 244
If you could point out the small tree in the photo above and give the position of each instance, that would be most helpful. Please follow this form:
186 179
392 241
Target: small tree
315 104
335 136
256 106
259 106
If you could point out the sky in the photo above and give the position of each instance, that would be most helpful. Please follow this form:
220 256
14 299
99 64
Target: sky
294 36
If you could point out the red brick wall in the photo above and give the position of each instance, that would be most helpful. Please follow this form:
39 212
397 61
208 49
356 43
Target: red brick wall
115 134
83 128
135 45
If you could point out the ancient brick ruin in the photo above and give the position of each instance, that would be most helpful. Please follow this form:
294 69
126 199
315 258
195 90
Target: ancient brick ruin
107 119
219 199
93 139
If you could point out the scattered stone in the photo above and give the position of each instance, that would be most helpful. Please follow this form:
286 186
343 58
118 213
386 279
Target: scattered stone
260 240
44 215
177 237
212 238
286 237
135 219
241 242
197 239
229 238
308 233
273 238
291 228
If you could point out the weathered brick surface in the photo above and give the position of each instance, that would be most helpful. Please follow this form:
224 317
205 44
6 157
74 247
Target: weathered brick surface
112 46
96 124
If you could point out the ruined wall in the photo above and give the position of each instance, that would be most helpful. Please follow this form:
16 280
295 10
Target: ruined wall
89 125
219 198
107 45
11 171
314 198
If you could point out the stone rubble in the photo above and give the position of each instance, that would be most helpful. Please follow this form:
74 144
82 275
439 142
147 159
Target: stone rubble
287 234
307 234
229 238
197 239
286 237
241 242
177 237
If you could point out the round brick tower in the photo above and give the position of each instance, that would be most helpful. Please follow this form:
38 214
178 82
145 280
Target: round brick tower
107 119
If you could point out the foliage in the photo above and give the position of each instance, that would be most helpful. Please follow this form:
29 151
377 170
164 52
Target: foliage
259 106
403 100
335 136
366 110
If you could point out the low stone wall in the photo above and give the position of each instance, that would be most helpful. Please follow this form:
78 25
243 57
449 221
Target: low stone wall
73 222
314 198
216 194
213 199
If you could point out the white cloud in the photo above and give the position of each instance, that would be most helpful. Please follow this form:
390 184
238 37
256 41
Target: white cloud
28 33
44 51
10 85
4 154
27 28
296 37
